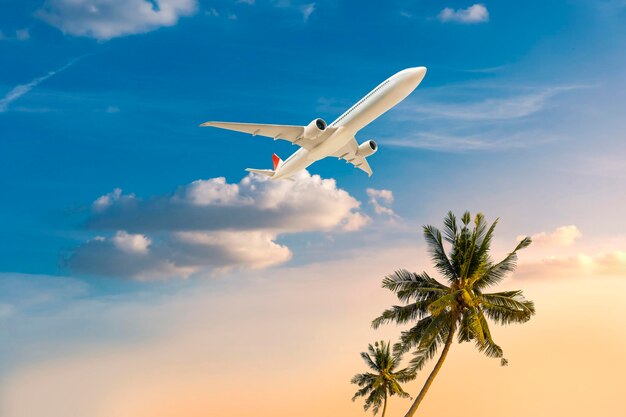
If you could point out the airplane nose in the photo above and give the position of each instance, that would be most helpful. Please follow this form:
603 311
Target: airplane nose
418 73
411 77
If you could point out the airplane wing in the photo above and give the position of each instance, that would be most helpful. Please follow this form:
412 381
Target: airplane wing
348 153
289 133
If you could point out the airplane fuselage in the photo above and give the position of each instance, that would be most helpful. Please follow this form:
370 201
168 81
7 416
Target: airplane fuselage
378 101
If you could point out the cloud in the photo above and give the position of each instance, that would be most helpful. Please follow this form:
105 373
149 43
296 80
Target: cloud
446 142
106 19
112 109
381 200
307 11
493 109
20 35
608 165
22 89
611 264
460 119
561 236
210 225
131 243
476 13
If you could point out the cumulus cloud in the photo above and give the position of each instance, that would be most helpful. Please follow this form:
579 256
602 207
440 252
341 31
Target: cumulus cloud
211 225
582 265
476 13
106 19
561 236
381 200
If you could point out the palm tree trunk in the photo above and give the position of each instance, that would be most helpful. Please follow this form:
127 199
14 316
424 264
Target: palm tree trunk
384 405
434 372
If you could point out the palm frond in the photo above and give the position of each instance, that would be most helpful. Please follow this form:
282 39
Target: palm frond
475 326
411 338
431 337
402 314
496 273
450 229
507 307
405 375
396 389
410 286
374 400
445 303
485 245
369 361
489 347
432 235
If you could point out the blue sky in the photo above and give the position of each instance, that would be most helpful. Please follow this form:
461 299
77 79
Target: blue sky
123 112
520 116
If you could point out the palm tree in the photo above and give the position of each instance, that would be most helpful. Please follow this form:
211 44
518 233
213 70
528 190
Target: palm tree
461 306
385 381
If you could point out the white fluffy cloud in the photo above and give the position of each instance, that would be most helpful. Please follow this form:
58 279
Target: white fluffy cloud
381 200
131 243
211 225
561 236
476 13
106 19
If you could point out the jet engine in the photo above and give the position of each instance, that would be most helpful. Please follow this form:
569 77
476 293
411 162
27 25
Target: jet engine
367 148
314 129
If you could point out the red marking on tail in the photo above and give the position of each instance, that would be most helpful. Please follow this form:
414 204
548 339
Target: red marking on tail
276 159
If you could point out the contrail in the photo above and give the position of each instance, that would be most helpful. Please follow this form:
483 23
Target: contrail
20 90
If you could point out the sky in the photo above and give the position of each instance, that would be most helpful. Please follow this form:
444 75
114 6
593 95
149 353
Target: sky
143 272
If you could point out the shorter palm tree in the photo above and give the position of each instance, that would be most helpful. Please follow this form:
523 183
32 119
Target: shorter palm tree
384 381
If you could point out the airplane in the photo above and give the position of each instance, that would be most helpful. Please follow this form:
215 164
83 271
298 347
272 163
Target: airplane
317 140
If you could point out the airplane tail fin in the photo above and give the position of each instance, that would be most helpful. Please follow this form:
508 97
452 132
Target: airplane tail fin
277 161
268 172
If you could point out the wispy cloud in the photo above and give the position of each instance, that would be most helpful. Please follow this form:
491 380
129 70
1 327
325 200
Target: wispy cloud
381 200
477 117
307 11
607 166
501 108
446 142
476 13
487 70
20 35
19 90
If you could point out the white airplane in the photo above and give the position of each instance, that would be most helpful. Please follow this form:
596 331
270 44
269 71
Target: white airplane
317 140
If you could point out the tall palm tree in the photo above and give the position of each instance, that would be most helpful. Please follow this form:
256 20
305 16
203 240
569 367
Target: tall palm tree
461 306
385 381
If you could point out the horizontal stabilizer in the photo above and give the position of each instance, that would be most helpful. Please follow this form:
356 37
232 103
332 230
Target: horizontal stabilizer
265 172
